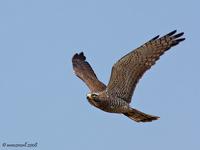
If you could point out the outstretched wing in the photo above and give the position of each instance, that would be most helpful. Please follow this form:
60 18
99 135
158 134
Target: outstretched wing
85 72
130 68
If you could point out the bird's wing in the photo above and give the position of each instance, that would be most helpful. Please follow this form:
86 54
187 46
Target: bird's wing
85 72
130 68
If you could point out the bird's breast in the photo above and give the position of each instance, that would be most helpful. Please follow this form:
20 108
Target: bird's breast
115 106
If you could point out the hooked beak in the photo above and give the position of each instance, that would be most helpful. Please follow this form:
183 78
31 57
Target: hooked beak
89 96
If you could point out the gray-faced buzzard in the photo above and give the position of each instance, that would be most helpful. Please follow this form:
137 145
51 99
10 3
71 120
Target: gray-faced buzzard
126 72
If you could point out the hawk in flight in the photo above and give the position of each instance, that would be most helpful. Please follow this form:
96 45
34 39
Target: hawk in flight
126 72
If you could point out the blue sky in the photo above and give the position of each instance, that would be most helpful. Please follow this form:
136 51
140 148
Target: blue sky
43 101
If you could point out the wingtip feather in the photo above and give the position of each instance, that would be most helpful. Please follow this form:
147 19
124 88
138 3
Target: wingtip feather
154 38
80 56
178 35
172 33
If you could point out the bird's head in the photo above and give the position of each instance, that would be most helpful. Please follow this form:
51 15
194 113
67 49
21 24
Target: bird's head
93 99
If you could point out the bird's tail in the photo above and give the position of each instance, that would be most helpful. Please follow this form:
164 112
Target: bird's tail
139 116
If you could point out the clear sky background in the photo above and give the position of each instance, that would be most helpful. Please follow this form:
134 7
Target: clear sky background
43 101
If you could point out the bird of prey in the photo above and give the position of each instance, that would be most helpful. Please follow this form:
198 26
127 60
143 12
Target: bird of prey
126 72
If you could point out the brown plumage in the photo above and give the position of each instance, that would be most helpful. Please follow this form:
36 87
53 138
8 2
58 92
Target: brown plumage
84 71
126 72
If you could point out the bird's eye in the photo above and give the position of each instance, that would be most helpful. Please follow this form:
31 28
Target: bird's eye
94 95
